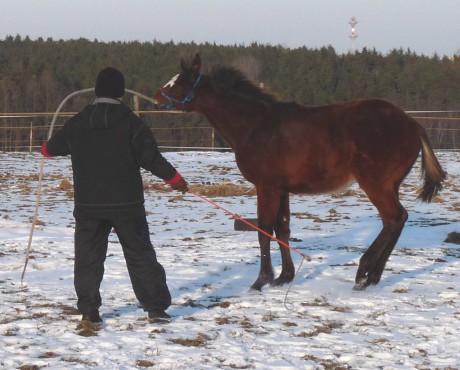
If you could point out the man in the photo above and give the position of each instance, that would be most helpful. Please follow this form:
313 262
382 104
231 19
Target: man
108 145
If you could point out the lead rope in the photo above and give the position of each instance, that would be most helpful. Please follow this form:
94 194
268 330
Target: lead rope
40 176
305 257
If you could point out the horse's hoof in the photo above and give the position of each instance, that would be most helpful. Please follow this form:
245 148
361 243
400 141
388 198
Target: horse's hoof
260 283
263 279
281 281
257 287
361 284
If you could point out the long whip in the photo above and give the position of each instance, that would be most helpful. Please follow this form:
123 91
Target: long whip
40 176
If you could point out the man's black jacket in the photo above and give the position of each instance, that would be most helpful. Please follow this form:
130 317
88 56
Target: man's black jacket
108 145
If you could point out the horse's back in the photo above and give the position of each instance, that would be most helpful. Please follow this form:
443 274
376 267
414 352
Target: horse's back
386 141
369 125
376 125
324 148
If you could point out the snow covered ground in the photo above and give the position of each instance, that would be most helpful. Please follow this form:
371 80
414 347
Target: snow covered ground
411 320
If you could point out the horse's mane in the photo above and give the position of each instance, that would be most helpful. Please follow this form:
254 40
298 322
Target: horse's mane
229 80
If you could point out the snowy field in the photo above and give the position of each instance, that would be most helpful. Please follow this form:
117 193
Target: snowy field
411 320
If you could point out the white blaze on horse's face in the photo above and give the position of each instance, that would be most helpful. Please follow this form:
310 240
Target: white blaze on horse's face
171 82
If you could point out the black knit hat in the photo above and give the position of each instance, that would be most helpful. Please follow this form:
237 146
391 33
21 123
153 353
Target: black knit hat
110 83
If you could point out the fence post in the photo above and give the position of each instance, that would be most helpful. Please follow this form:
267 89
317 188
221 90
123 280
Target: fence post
212 137
136 104
31 137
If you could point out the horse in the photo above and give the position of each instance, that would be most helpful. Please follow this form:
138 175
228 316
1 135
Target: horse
285 147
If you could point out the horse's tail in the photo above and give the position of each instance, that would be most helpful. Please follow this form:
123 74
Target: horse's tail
431 171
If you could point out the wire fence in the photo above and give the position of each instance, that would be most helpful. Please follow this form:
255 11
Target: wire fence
174 131
178 131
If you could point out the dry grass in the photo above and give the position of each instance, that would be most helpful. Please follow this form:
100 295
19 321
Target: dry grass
88 329
325 328
144 363
225 189
199 341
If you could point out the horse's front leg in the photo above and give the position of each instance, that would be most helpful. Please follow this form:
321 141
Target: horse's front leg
267 210
283 232
266 275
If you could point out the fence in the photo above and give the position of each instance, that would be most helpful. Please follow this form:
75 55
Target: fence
187 131
443 127
173 130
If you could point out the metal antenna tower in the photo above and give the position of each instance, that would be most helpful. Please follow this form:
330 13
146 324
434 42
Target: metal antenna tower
353 22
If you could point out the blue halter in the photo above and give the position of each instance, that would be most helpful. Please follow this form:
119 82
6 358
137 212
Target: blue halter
184 101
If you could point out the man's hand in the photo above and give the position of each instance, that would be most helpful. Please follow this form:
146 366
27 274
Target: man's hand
181 186
44 150
178 183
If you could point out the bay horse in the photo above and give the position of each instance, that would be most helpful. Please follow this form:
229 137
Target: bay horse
285 147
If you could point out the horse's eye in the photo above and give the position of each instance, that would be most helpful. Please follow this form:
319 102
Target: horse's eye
172 81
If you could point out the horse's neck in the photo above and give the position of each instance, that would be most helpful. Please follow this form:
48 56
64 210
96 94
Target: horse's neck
233 121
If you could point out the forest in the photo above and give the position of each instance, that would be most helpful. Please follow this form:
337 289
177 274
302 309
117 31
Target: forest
35 75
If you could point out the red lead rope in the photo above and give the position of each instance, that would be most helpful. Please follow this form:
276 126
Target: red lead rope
305 256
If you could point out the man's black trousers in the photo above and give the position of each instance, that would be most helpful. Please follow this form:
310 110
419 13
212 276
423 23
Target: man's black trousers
147 276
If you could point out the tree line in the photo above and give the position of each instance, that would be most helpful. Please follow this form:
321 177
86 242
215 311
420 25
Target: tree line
35 75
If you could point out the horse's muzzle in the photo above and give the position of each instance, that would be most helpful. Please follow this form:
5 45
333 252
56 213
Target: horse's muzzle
161 106
156 104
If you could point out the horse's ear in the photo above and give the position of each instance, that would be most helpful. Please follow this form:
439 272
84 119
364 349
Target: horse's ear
191 66
183 65
196 64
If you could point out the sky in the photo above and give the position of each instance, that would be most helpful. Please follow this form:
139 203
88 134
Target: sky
423 26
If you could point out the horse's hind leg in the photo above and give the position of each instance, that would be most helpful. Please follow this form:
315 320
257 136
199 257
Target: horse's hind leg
393 216
283 233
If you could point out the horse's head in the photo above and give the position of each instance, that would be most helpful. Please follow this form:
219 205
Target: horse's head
180 90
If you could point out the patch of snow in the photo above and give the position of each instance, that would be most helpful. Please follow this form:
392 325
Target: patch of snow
411 320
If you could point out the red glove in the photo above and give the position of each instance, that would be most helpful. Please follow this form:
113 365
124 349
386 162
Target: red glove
178 183
44 151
